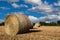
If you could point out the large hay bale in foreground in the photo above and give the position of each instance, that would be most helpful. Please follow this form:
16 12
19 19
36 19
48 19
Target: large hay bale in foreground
37 25
17 23
2 31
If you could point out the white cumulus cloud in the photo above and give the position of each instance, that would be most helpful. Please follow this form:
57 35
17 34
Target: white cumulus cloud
33 19
42 7
1 20
47 19
57 4
33 1
50 18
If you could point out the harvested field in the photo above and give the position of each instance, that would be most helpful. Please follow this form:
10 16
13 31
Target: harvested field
42 33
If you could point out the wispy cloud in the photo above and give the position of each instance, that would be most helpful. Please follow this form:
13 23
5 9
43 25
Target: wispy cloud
10 0
15 13
15 5
4 8
13 0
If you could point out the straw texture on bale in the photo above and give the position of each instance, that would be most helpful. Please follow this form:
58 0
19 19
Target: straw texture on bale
37 25
17 23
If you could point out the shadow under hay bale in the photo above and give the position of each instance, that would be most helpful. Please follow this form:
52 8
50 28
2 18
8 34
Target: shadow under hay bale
30 31
15 23
35 30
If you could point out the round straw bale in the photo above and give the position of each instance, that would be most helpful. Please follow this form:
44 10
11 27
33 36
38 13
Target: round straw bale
17 23
36 25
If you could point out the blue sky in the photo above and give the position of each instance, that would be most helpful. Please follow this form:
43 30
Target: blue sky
36 10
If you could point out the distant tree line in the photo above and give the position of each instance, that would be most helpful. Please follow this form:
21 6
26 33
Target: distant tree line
1 24
42 23
50 24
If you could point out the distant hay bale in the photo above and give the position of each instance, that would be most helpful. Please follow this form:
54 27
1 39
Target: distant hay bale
36 25
17 23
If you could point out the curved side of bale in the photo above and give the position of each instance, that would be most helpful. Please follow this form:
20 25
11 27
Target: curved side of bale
28 22
24 23
17 23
